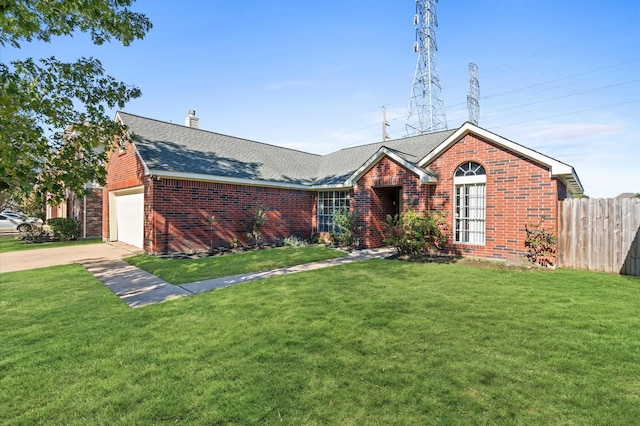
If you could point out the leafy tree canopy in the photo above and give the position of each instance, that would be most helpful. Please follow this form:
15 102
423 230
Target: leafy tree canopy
53 119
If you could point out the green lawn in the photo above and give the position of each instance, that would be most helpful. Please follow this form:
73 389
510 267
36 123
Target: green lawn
11 243
376 342
179 271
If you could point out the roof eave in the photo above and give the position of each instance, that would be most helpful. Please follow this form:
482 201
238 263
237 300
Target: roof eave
163 174
572 182
557 168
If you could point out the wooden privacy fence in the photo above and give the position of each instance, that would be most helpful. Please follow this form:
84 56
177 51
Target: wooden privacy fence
600 235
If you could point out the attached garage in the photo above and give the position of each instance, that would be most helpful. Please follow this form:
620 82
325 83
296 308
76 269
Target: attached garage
127 216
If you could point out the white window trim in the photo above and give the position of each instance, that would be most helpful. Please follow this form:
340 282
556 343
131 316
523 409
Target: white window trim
465 180
344 196
468 181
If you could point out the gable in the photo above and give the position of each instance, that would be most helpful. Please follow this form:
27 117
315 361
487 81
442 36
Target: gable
426 176
125 168
557 169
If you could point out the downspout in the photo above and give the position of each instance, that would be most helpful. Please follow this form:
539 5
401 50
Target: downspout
84 216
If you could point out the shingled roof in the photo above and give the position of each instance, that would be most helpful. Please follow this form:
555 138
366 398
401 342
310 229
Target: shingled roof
338 166
176 150
173 150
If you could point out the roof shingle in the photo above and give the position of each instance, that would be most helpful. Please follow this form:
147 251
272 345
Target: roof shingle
169 147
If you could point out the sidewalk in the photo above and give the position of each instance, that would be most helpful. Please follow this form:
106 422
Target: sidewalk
356 256
139 288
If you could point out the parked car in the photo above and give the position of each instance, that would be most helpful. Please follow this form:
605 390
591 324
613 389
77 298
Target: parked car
21 217
13 223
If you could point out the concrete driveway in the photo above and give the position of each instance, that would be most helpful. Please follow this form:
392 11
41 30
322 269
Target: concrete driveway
104 261
83 254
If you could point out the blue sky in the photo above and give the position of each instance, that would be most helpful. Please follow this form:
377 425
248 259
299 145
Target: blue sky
561 77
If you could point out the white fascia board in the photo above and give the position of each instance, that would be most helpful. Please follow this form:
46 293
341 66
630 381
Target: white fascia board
557 169
247 182
144 164
329 187
225 179
382 152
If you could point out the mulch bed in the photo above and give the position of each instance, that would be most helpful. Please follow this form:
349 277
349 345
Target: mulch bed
518 263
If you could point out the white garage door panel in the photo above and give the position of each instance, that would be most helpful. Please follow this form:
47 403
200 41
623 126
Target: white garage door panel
130 214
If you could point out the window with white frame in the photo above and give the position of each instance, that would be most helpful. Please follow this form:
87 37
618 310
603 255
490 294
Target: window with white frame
330 202
470 203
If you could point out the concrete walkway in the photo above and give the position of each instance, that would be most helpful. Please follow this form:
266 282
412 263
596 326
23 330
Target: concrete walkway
202 286
133 285
139 288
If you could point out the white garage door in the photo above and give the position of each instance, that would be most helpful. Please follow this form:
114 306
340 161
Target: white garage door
130 218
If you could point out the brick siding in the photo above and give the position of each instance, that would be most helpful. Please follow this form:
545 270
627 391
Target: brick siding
93 214
517 191
180 208
375 192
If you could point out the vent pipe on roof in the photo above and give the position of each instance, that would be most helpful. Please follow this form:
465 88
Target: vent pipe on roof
191 120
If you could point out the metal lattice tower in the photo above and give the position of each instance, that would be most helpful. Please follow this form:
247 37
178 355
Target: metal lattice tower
473 103
426 108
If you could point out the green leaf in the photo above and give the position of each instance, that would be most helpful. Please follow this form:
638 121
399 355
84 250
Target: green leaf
53 122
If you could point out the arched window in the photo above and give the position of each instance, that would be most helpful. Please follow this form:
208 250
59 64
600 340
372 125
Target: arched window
470 169
470 181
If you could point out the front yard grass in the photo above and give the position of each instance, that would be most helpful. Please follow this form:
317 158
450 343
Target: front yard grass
180 271
376 342
12 243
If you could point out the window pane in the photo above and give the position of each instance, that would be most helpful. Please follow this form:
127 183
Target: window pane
470 201
470 169
329 202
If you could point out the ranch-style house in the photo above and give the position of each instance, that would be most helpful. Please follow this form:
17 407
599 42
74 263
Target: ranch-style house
164 180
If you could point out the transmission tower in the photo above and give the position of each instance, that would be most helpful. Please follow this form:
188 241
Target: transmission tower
474 95
426 108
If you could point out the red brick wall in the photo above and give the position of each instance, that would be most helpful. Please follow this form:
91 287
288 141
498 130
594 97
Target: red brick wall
124 170
93 214
54 212
180 208
373 195
517 190
175 210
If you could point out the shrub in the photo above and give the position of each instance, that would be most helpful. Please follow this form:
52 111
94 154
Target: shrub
315 238
414 233
541 244
234 243
294 241
257 217
35 233
346 223
64 229
211 221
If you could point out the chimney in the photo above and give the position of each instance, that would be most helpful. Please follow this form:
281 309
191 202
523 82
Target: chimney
191 120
